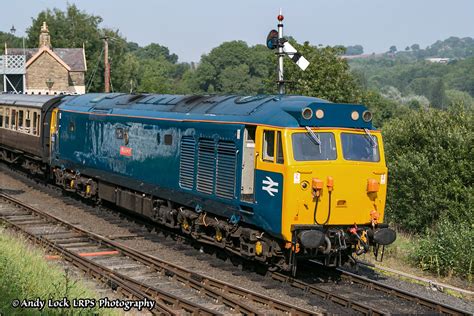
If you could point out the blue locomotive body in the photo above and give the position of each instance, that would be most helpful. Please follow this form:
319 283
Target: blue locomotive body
266 177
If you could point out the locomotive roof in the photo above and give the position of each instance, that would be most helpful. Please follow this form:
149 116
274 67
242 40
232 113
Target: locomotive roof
27 100
275 110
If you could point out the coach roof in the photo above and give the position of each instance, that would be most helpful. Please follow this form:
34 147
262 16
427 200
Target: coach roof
273 110
27 100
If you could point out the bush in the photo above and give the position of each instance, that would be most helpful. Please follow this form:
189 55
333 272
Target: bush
447 250
429 156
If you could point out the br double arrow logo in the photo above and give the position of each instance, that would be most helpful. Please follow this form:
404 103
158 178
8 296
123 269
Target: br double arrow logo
270 186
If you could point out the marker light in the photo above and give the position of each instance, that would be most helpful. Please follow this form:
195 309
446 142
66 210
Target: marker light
367 116
319 114
372 185
330 183
307 113
355 115
317 186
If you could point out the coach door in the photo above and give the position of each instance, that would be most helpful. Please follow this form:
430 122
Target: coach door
54 135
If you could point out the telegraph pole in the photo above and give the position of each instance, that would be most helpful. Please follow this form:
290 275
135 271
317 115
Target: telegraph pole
106 65
281 53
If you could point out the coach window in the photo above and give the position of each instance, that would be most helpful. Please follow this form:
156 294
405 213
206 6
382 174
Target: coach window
268 146
35 115
28 121
36 122
21 116
1 117
14 119
7 118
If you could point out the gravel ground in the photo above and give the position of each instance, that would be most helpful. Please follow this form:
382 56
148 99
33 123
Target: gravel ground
114 226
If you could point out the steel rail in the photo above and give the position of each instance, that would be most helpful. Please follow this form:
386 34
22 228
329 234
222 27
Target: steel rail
426 302
327 295
126 285
216 289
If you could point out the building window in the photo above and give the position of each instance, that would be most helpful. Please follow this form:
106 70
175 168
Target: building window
1 117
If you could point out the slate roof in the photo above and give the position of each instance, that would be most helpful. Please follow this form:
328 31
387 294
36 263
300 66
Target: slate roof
73 57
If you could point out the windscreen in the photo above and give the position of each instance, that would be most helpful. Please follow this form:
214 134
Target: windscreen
314 146
360 147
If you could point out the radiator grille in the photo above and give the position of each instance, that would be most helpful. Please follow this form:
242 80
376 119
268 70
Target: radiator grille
225 173
206 166
186 162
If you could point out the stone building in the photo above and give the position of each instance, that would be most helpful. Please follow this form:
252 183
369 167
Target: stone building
46 70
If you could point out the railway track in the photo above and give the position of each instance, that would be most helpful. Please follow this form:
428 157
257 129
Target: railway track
136 275
373 306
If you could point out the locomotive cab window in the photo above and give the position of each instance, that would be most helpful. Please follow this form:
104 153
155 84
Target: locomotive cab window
314 146
279 149
268 146
360 147
272 147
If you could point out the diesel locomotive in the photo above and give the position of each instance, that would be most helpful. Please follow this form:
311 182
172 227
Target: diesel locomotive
274 178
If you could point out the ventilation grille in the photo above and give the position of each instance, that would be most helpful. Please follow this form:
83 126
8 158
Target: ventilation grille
206 166
225 175
186 162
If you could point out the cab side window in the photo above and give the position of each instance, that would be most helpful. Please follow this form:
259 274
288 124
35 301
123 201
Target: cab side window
279 151
268 146
272 147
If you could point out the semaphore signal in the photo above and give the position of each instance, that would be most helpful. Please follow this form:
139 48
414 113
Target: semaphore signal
275 39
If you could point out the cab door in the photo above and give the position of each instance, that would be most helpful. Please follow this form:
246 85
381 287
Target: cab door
270 167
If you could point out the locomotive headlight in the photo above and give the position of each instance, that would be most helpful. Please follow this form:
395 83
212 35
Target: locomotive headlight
355 115
367 116
319 114
307 113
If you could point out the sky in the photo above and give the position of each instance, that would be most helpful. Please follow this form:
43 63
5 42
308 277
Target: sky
192 28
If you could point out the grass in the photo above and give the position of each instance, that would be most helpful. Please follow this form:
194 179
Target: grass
25 274
399 256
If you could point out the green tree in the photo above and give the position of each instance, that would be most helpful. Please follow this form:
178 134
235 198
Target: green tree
214 73
354 50
326 77
429 156
415 47
10 40
392 49
154 51
438 95
155 76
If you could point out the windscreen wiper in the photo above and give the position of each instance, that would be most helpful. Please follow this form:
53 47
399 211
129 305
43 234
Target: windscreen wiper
372 139
314 136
